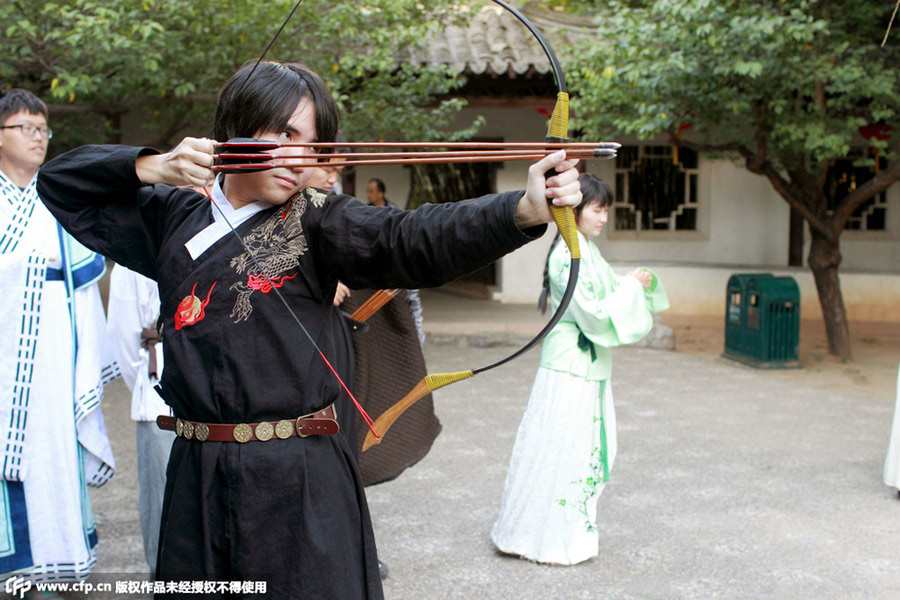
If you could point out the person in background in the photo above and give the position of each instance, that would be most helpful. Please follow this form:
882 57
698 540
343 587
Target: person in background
53 440
383 359
132 314
375 194
566 443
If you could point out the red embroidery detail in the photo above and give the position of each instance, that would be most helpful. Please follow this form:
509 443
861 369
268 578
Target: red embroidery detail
259 282
191 309
287 209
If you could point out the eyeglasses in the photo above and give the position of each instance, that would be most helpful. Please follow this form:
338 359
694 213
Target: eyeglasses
30 130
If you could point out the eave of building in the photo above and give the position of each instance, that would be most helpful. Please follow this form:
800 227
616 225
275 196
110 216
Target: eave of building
497 53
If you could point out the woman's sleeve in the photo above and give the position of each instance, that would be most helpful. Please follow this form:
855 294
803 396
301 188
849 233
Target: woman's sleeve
608 309
95 194
657 299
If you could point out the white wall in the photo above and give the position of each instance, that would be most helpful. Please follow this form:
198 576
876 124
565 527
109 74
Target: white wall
741 221
697 289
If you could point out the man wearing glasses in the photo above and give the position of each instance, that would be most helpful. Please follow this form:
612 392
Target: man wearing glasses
52 438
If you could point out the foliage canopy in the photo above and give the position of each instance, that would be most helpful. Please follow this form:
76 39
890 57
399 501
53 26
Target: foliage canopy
801 76
98 59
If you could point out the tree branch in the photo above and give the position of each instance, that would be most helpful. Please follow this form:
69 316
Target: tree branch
868 190
790 192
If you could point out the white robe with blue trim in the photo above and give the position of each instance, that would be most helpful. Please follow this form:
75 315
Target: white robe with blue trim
53 441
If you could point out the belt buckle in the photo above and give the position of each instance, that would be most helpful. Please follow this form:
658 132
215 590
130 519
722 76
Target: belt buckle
299 425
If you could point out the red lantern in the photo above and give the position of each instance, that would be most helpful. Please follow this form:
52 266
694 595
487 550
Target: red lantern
880 132
681 128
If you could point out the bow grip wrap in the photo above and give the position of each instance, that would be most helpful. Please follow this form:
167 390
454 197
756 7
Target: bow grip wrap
563 216
565 221
558 131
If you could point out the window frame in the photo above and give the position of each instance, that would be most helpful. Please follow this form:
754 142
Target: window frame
701 233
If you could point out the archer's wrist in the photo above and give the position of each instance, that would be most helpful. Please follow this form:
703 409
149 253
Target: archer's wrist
150 168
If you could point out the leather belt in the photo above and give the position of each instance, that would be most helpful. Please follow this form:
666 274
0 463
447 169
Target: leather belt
149 339
317 423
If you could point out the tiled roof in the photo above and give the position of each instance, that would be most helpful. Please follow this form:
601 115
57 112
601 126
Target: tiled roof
494 43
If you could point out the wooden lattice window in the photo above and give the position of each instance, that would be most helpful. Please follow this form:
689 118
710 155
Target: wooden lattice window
843 177
653 192
437 184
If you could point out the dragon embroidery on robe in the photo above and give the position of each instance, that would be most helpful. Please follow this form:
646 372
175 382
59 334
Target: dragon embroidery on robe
277 245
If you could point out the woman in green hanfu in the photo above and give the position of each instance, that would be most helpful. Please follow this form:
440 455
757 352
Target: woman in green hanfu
566 443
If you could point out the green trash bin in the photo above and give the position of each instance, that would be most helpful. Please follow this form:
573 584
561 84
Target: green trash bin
736 339
762 320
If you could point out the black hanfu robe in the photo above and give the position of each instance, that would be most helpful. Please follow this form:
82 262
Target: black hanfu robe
289 511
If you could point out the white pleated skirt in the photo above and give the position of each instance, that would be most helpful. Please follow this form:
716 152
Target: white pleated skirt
548 512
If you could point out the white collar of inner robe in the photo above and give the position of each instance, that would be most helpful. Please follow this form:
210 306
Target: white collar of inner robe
201 242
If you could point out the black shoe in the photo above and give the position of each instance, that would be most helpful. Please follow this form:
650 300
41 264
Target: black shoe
382 570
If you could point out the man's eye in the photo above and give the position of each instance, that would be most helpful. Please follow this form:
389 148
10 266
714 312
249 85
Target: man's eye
285 135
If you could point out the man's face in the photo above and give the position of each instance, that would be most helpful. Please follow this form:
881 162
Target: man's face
325 177
373 194
276 186
20 150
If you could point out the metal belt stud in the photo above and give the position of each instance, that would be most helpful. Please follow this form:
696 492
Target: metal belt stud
284 429
243 433
265 431
201 432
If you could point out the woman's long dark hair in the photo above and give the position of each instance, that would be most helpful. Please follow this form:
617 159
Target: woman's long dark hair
592 190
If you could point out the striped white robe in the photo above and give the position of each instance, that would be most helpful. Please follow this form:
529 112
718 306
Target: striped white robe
53 441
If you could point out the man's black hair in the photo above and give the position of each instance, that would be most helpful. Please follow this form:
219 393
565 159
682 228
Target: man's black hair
16 100
263 99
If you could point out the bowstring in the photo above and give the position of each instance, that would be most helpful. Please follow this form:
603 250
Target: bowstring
365 415
268 46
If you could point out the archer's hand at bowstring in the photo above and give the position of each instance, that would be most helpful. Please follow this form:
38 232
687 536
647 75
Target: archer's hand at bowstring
562 189
187 164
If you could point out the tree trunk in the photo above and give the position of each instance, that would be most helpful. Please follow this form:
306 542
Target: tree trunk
795 240
824 260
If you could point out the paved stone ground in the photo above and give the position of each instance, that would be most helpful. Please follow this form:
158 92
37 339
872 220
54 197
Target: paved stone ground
728 484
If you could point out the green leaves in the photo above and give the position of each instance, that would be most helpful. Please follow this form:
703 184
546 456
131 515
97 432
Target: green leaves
169 59
749 69
803 72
